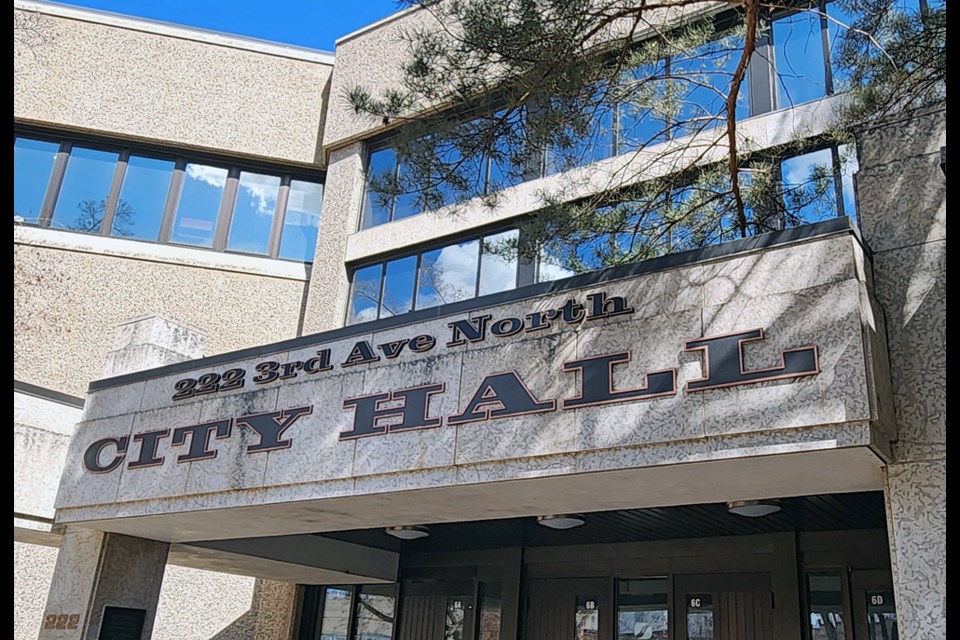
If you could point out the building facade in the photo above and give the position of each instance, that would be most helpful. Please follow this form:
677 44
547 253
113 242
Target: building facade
239 416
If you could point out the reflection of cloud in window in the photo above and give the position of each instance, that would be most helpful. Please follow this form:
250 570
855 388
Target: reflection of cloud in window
213 176
452 276
365 315
798 171
262 191
550 271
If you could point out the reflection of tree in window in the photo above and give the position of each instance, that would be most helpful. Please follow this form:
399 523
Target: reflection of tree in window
90 217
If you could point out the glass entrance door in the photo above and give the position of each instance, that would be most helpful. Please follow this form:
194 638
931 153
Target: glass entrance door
723 607
874 611
569 609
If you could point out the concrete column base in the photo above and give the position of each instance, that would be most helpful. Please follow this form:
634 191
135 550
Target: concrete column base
96 570
916 502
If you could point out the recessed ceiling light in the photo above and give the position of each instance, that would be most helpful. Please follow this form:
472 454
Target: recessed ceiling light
408 532
566 521
753 508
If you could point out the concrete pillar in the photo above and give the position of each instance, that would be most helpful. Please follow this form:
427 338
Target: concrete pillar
901 191
342 200
916 499
276 604
96 571
152 341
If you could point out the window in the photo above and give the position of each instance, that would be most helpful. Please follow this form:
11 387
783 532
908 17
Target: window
158 196
792 65
83 194
825 604
33 162
143 198
298 240
818 185
457 271
642 608
199 206
376 612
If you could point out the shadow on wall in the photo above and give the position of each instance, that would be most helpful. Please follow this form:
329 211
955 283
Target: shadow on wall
207 605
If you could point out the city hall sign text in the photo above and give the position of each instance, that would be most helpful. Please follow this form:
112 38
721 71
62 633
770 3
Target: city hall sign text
500 394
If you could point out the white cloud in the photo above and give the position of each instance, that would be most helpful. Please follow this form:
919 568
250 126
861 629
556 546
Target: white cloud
213 176
262 191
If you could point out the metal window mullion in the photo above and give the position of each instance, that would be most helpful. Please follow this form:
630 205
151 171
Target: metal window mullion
476 287
225 215
353 609
113 196
837 180
57 173
279 217
396 185
827 54
416 282
527 268
383 284
173 199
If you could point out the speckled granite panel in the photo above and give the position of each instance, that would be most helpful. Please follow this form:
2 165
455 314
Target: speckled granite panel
193 606
916 499
32 571
911 285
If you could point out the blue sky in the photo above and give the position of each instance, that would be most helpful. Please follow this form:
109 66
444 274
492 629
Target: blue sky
308 23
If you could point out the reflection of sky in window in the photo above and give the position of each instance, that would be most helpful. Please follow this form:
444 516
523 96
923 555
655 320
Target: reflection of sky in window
797 173
838 21
199 205
502 173
550 268
365 298
83 195
799 58
704 78
398 286
32 163
640 125
382 163
253 213
448 274
405 204
302 221
498 272
849 166
596 145
144 194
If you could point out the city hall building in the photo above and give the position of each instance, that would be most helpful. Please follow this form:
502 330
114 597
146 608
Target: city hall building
242 409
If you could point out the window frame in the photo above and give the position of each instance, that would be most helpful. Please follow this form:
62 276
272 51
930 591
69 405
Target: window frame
524 272
225 213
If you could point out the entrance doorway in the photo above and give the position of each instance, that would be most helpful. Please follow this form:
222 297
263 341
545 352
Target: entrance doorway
723 607
574 609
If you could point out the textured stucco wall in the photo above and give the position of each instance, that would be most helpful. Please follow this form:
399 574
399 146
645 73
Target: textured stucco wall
201 605
194 604
41 435
329 283
127 82
67 323
902 194
32 570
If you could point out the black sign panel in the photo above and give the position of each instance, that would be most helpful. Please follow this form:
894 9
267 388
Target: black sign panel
122 623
